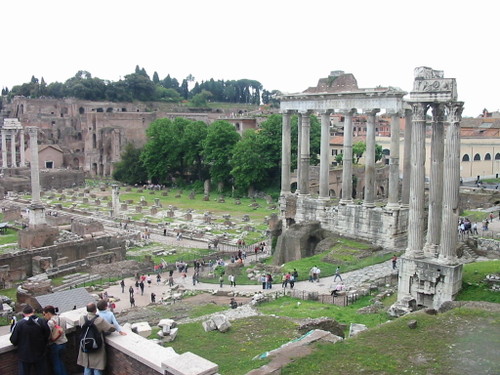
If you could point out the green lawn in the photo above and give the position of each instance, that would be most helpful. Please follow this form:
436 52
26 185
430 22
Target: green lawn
10 236
473 286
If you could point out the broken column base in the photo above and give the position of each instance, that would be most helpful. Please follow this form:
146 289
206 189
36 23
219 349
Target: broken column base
428 282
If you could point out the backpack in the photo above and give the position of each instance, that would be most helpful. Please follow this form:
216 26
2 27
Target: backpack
90 337
57 331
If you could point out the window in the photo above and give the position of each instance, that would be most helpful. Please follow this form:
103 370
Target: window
487 156
477 157
49 164
465 158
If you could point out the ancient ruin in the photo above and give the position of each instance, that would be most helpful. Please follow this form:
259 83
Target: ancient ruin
430 273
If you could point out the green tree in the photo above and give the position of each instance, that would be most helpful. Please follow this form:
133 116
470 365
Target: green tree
314 143
195 133
339 158
130 169
140 86
378 152
218 149
358 149
200 100
251 163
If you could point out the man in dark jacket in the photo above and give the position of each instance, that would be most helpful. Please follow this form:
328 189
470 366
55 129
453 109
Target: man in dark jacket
31 336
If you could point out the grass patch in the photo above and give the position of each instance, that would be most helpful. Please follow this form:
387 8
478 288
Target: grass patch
473 286
10 236
301 309
233 350
461 341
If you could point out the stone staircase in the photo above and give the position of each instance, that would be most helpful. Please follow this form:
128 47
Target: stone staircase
469 255
74 279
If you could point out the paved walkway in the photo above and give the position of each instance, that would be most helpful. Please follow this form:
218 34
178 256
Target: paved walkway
351 279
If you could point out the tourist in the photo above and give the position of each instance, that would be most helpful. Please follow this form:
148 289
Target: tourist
318 271
269 281
141 286
170 280
31 336
221 281
233 303
158 279
153 298
132 301
284 281
57 347
474 229
394 261
131 291
94 362
263 280
338 288
13 321
232 280
122 284
337 274
149 280
109 316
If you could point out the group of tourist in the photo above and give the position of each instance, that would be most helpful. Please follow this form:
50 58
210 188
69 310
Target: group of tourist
289 278
42 341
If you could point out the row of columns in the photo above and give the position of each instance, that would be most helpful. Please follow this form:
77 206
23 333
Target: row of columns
11 134
443 186
370 172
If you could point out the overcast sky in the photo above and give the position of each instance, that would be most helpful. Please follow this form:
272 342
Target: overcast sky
286 45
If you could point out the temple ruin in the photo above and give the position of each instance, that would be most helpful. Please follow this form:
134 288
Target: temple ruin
430 273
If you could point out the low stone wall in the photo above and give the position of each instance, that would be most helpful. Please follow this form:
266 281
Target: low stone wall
19 265
126 355
489 248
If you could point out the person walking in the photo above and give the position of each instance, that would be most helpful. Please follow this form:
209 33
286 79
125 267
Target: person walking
94 362
31 336
337 274
394 261
109 316
122 284
57 346
131 291
232 280
132 301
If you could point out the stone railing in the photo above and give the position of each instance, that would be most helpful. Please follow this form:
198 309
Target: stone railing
131 354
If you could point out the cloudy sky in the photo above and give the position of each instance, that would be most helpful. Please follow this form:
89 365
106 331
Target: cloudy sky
286 45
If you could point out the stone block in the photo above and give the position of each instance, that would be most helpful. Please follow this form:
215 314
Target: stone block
142 329
209 325
167 323
221 322
171 337
356 328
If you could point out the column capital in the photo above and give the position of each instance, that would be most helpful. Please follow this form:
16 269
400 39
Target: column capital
455 114
347 112
327 112
438 112
419 110
373 112
32 130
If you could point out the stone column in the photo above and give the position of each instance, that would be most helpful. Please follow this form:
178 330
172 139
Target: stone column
405 188
305 153
347 160
285 154
393 201
324 165
4 148
115 199
417 182
299 148
13 162
436 182
21 148
451 185
369 196
35 173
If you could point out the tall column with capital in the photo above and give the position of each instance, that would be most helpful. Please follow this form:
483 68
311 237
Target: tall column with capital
417 183
35 173
393 201
115 199
13 162
436 182
299 148
405 188
369 199
324 166
347 160
4 148
21 148
305 153
451 185
285 153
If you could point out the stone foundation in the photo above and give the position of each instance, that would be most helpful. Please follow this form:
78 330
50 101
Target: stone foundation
427 282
